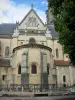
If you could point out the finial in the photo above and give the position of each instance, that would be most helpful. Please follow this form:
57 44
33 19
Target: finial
32 6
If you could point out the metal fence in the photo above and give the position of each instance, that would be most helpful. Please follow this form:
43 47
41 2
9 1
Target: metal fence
33 87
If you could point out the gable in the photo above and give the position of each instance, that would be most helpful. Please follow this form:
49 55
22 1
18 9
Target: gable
32 21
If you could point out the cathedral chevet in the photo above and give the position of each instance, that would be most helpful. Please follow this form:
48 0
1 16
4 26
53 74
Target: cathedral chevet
31 54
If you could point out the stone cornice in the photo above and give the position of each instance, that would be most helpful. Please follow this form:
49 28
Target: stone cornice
32 45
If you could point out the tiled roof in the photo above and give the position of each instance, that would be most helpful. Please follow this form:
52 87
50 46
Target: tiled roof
4 62
62 62
7 28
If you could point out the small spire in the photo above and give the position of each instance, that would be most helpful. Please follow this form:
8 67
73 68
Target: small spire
32 6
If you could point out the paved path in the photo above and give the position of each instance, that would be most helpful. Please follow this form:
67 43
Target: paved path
39 98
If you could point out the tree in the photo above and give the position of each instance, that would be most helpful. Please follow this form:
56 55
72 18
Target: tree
64 20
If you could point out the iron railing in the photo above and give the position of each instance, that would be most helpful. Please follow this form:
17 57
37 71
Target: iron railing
33 87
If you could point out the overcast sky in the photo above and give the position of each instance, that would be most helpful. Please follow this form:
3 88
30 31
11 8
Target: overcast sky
14 10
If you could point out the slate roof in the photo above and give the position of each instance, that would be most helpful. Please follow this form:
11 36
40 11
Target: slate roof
7 28
62 63
53 31
4 62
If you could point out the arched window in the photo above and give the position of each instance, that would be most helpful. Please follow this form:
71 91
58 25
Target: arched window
0 48
64 85
48 68
33 69
19 69
57 53
64 78
7 51
32 40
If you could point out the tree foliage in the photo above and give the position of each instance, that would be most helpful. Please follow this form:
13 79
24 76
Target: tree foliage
64 20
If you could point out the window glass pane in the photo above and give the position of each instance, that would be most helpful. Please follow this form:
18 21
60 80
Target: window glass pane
19 69
0 48
64 79
57 53
3 77
34 69
48 69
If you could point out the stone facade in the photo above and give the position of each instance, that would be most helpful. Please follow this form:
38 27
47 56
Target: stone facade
34 55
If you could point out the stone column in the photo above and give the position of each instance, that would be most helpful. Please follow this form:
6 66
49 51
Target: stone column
44 75
71 75
24 69
58 74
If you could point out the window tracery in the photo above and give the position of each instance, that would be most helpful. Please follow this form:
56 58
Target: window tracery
32 22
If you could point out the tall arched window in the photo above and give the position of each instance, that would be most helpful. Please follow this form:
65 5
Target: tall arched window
0 48
19 69
48 68
57 53
7 51
33 69
64 78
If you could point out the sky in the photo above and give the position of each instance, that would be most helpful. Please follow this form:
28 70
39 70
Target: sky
15 10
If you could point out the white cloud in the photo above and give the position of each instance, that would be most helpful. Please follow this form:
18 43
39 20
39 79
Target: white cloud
10 12
44 3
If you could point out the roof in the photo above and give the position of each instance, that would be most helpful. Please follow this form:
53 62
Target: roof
5 36
7 28
53 31
62 62
4 62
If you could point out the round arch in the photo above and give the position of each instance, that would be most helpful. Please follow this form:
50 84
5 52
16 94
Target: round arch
32 40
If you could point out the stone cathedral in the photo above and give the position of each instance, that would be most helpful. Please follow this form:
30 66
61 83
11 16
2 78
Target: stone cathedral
30 53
